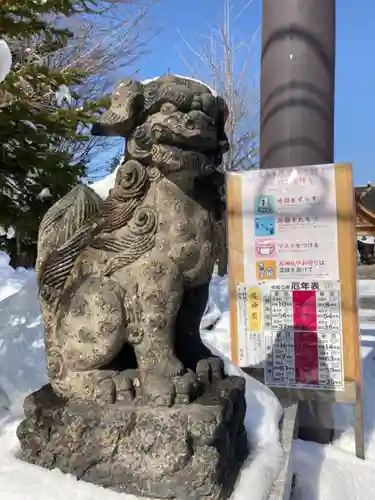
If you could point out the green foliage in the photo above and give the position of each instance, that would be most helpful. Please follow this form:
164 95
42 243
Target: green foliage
32 125
29 16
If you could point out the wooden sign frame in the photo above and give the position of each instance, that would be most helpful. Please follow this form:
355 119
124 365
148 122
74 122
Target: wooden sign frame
346 228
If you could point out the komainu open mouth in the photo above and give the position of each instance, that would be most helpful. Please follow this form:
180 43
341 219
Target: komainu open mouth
196 139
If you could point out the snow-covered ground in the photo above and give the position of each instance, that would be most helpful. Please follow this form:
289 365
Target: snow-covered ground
324 472
329 472
22 369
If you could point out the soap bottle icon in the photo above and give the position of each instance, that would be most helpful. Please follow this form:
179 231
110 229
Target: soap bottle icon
262 271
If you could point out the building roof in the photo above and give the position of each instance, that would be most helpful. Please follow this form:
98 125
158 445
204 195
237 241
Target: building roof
366 196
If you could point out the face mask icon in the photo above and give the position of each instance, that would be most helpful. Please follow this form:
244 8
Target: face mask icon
265 250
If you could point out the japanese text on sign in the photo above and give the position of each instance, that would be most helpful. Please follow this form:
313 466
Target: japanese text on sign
297 333
290 224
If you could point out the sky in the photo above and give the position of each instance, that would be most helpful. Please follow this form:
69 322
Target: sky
355 63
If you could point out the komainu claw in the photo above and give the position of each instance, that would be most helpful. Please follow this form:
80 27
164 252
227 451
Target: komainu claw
186 388
209 370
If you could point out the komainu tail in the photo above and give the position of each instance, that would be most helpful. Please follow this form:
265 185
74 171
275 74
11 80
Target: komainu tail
65 230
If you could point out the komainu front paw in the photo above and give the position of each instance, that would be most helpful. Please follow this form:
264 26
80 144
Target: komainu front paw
209 370
94 385
187 388
127 385
159 391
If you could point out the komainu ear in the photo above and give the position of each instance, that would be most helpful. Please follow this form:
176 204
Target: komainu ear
127 103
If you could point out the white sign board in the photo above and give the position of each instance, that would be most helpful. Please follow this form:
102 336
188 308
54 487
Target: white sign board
289 305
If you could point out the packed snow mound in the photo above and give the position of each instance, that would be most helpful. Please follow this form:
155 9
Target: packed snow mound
323 472
22 363
22 370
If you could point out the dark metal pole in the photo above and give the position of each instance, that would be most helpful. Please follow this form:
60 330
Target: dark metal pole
297 115
297 82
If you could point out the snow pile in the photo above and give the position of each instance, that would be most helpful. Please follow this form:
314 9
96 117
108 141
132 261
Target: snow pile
22 365
326 472
323 472
22 369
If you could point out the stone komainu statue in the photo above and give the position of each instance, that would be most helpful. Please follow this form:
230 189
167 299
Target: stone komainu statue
123 283
136 402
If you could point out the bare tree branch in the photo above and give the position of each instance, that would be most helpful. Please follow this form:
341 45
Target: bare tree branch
103 47
222 61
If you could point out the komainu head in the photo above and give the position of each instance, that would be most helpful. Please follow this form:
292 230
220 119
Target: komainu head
173 123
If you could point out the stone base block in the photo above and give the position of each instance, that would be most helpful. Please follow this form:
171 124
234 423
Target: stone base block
189 451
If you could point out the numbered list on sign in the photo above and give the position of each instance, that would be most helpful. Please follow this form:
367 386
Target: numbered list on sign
302 335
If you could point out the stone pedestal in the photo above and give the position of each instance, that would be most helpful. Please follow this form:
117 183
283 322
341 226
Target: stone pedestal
190 451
